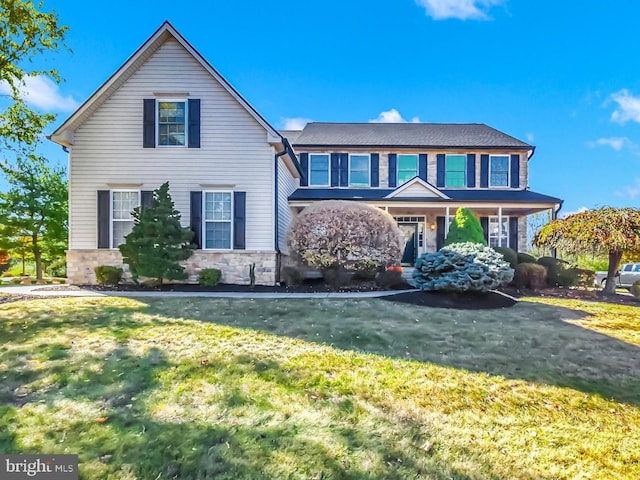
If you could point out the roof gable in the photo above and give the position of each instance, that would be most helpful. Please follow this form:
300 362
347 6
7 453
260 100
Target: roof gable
64 134
416 187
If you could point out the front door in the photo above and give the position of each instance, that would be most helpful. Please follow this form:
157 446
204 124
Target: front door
410 234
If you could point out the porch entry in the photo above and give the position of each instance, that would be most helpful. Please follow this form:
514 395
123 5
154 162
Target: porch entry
410 234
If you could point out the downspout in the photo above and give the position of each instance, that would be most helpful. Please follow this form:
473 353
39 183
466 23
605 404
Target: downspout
277 213
554 216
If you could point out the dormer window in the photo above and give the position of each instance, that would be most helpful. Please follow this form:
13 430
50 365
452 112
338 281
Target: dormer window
172 123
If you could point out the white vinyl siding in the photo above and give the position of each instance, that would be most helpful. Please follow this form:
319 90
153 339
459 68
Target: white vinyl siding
286 186
234 151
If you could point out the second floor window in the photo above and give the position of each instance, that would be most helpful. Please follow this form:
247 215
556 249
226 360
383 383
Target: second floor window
499 171
319 169
171 123
359 170
407 168
455 170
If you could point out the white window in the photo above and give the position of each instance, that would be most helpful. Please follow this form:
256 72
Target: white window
319 169
455 171
217 225
359 170
498 234
172 122
122 204
499 171
407 168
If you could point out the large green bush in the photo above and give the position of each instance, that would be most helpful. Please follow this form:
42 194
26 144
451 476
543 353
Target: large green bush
557 274
509 254
345 235
462 267
465 227
530 275
526 258
108 275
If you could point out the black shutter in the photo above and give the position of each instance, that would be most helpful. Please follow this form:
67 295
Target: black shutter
239 220
196 218
513 233
304 165
471 170
146 198
194 123
484 171
104 205
440 170
344 169
515 171
440 232
422 166
335 169
375 170
149 123
484 222
393 170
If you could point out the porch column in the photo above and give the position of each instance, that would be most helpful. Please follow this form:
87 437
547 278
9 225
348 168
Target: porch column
446 223
500 226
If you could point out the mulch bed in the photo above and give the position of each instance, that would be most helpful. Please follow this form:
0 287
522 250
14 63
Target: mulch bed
7 298
460 301
573 294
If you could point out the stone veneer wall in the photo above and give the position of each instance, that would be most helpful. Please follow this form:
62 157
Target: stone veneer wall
234 265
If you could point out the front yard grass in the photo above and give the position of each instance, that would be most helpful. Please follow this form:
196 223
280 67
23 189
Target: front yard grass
323 389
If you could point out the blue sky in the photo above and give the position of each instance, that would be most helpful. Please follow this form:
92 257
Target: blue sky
562 75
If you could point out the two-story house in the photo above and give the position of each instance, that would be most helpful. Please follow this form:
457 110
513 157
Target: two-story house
167 115
421 173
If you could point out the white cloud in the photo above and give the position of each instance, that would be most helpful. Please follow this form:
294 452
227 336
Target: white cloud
41 92
579 210
630 191
530 137
392 116
296 123
617 143
628 107
460 9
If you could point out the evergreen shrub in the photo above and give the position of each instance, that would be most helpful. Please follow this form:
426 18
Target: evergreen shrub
509 254
530 275
526 258
209 276
108 275
465 227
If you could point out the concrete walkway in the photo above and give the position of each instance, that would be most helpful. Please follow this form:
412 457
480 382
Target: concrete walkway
72 291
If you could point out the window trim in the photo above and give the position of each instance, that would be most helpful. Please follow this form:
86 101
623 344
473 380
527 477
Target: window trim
111 219
368 155
203 227
398 166
508 170
328 170
186 121
464 163
505 220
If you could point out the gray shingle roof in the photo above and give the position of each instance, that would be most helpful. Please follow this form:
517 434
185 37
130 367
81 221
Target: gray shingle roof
437 135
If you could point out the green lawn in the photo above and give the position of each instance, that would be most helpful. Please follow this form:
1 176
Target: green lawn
323 389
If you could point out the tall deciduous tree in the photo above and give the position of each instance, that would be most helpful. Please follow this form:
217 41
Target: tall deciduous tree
157 242
465 228
34 206
25 33
612 231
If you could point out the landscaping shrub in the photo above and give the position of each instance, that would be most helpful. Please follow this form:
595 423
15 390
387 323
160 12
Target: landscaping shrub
349 235
292 276
462 267
108 275
530 275
389 278
556 272
209 276
579 277
635 289
337 277
465 227
509 254
525 258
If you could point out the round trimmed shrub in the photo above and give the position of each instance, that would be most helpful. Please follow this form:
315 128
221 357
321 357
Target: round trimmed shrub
530 275
108 275
462 267
209 276
509 254
526 258
347 235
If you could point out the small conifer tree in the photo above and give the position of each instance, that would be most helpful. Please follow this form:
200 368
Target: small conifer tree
465 228
157 242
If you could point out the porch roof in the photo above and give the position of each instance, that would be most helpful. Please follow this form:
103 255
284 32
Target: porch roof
469 195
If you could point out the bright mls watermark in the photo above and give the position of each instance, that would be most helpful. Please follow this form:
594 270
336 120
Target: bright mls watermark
49 467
